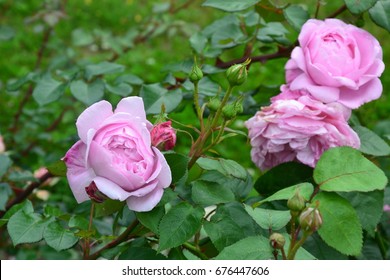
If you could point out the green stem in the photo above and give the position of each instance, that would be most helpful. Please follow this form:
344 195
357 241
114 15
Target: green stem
291 254
197 106
293 236
195 250
87 246
381 245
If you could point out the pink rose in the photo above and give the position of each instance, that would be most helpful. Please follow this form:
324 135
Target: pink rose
298 130
336 62
115 154
2 146
163 136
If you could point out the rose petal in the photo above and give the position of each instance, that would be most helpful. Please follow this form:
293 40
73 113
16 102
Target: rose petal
145 203
92 118
164 178
355 98
111 189
132 105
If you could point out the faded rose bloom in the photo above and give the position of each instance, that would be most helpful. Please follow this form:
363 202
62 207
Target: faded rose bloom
163 136
2 146
336 62
115 155
298 130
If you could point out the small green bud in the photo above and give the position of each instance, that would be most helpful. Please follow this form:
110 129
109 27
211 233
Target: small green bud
277 240
310 219
237 73
196 74
229 111
296 203
214 104
238 107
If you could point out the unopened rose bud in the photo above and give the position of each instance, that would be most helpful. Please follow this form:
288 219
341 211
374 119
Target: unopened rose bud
296 203
94 193
2 146
196 74
277 240
229 111
238 107
237 73
163 136
214 104
310 219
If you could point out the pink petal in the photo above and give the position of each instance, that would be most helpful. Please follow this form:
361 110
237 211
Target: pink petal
79 177
111 189
145 203
355 98
132 105
144 190
92 118
164 178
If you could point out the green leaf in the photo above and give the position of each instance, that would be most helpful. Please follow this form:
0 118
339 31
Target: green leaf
6 33
102 68
269 219
151 219
359 6
13 86
346 169
230 6
178 164
305 189
371 143
155 96
87 93
59 238
108 207
272 182
225 166
80 37
141 253
179 225
57 168
368 206
296 16
250 248
79 222
122 89
48 90
380 14
25 205
341 228
5 163
5 193
210 193
198 42
129 79
322 251
230 224
25 227
273 32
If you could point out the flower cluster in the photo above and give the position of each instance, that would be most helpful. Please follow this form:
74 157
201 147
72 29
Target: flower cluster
335 69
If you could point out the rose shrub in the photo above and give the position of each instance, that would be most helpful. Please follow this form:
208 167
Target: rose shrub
336 62
298 129
115 154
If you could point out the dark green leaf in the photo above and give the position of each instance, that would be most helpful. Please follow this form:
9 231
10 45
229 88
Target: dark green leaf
210 193
108 207
13 86
230 6
273 32
57 168
59 238
380 14
341 228
272 182
315 245
269 219
371 143
178 164
296 16
21 176
359 6
249 248
225 166
25 227
79 222
346 169
122 89
179 225
141 253
87 93
102 68
5 193
129 79
5 163
151 219
48 90
305 189
155 96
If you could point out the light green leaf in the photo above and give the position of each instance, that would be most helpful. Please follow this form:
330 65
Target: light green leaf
15 85
5 163
122 89
6 33
273 32
80 37
59 238
198 42
269 219
230 6
250 248
79 222
48 90
151 219
359 6
346 169
129 79
57 168
179 225
155 96
25 227
108 207
296 16
102 68
380 14
87 93
5 193
210 193
305 189
371 143
225 166
178 164
341 228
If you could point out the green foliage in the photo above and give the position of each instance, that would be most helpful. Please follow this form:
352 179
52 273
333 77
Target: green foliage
178 164
380 14
151 219
155 96
102 68
230 6
358 6
371 143
87 93
269 219
345 169
48 90
57 168
305 189
5 163
59 238
250 248
296 16
209 193
5 193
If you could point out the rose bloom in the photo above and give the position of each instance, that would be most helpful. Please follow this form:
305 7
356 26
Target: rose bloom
163 136
115 158
298 130
336 62
2 146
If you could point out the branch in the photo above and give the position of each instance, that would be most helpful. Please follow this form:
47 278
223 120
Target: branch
338 11
174 10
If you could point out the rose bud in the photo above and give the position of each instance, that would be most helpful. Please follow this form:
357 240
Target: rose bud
237 73
163 136
296 203
196 74
310 219
277 240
